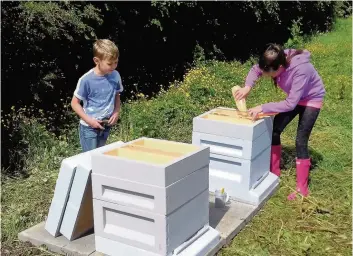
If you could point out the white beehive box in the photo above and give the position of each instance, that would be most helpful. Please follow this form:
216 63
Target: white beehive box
150 195
239 153
156 233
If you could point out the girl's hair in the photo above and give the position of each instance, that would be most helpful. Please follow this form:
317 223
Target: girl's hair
273 57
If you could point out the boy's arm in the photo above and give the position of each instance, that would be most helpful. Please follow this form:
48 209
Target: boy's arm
117 103
115 116
76 106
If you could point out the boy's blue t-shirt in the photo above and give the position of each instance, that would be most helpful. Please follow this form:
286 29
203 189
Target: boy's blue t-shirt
98 94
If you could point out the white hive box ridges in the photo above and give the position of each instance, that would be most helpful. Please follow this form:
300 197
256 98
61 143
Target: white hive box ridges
239 153
149 196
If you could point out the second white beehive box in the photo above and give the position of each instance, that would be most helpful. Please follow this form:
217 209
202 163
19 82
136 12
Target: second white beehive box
239 153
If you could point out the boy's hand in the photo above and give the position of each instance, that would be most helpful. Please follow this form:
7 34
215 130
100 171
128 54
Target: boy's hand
94 123
242 93
114 118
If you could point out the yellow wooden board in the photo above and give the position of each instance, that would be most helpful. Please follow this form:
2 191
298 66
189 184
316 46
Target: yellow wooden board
229 112
239 114
228 119
85 220
138 155
169 146
241 104
153 151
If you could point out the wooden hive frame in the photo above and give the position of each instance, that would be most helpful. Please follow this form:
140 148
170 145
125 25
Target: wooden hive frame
234 116
152 151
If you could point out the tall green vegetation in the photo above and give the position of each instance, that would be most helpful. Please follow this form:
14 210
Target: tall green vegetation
46 47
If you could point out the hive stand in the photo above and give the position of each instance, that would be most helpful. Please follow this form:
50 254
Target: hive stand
151 197
239 153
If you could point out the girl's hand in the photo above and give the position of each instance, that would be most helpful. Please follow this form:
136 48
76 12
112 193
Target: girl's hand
114 118
242 93
255 111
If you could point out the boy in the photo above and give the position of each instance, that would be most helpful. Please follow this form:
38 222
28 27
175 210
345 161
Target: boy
99 89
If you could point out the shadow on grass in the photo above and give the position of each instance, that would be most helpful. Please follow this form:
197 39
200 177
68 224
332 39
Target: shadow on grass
289 155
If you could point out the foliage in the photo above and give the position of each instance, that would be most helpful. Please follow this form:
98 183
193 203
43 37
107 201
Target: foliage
49 43
58 19
296 41
343 9
46 46
37 37
32 133
320 225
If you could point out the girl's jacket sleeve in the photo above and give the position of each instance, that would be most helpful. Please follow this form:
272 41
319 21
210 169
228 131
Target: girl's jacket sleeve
253 75
300 80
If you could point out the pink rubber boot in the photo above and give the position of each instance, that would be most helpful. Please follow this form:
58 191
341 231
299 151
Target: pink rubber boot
303 167
276 151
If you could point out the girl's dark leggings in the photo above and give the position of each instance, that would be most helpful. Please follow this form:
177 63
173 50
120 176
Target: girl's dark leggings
307 118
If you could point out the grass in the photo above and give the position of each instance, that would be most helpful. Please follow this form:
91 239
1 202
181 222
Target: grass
318 225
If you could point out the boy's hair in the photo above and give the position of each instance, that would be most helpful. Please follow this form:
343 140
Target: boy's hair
105 49
273 57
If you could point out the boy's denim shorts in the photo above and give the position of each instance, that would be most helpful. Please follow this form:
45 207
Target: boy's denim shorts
91 138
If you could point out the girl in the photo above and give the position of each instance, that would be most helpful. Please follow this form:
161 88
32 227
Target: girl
292 71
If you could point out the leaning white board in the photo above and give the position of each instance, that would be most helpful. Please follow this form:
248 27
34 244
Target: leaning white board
78 215
61 193
80 197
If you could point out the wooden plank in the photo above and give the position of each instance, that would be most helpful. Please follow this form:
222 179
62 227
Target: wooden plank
229 119
140 156
152 150
240 114
85 220
228 112
169 146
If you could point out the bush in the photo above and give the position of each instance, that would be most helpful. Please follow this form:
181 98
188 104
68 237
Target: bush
47 47
343 9
32 134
